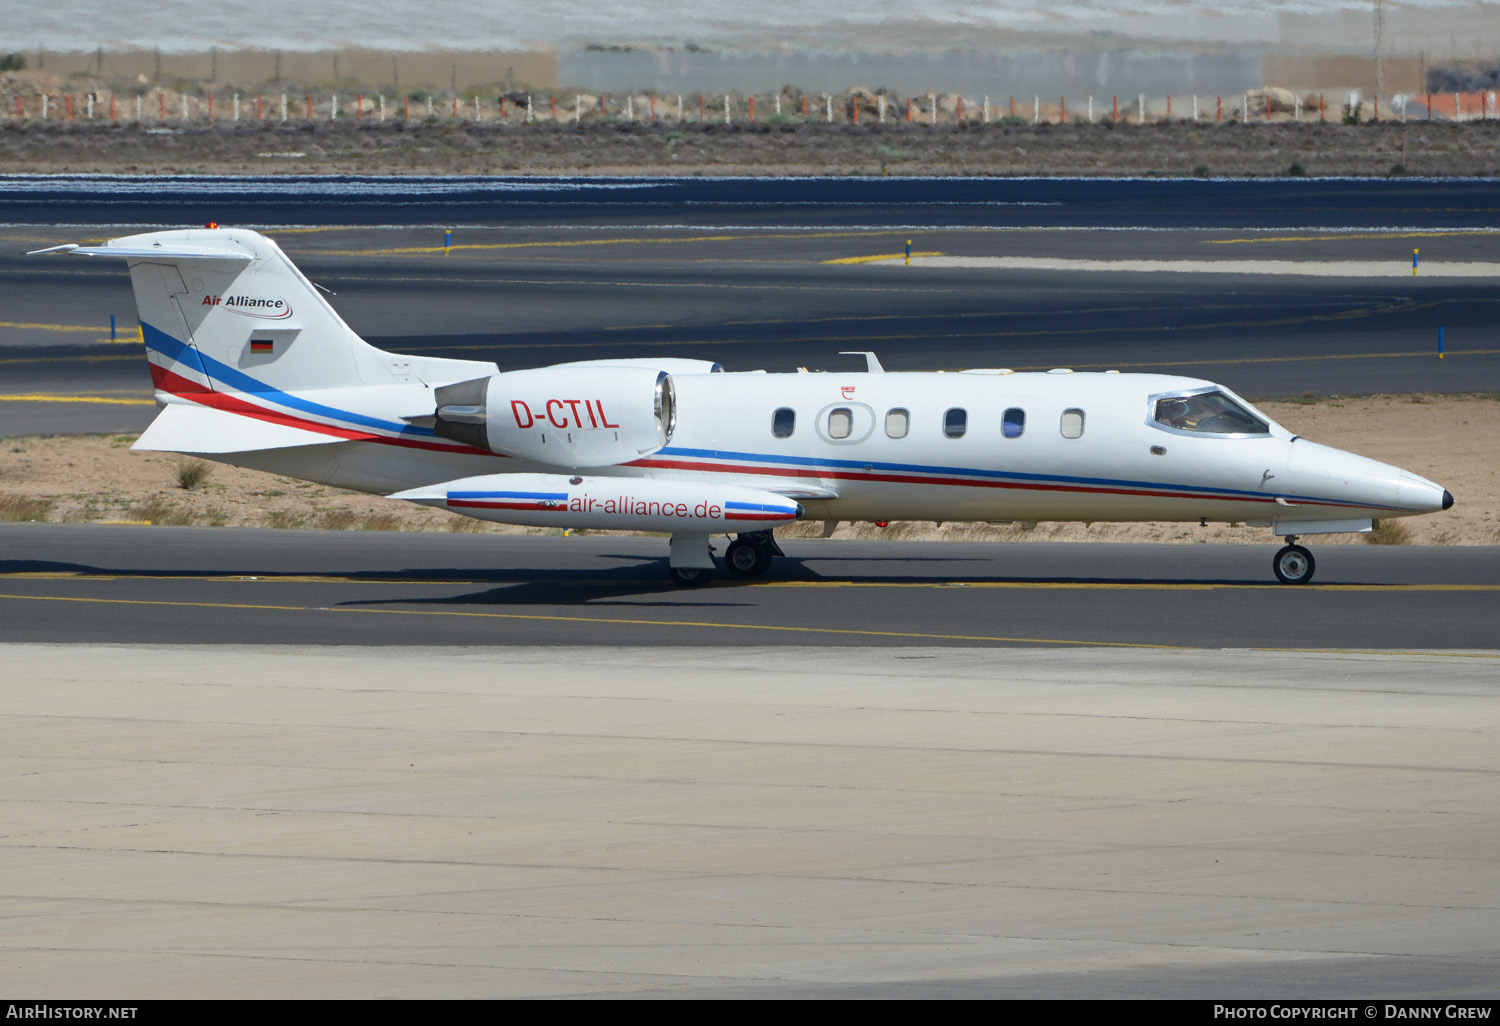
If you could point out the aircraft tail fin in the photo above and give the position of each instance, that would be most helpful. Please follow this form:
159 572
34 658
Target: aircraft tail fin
225 310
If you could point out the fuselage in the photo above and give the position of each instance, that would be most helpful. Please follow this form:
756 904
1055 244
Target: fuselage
986 446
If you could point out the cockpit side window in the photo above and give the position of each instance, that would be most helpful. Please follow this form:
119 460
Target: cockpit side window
1209 413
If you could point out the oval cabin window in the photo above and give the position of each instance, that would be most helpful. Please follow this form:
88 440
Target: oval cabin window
840 422
1072 423
897 423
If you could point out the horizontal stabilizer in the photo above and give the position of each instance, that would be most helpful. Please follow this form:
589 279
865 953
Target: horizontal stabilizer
156 252
200 429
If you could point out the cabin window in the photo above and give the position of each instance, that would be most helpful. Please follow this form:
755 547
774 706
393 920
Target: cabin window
784 422
897 423
1072 423
1212 413
955 422
1013 423
840 422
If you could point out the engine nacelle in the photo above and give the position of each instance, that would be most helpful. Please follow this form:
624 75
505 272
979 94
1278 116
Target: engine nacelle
574 417
611 503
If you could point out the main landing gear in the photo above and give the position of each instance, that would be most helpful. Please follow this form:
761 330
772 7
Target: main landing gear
749 555
1293 564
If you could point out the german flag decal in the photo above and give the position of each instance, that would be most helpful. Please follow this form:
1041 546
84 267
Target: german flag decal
262 345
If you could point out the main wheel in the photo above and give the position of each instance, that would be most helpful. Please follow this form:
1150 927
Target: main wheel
1294 565
690 576
746 558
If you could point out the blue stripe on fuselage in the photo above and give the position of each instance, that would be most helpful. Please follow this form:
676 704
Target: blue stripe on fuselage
866 466
240 381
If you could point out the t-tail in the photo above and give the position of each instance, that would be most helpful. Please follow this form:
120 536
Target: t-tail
225 310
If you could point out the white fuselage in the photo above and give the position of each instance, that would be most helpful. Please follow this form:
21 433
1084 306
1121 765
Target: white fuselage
1118 465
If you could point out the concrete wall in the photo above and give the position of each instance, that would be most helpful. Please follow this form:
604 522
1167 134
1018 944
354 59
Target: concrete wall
447 69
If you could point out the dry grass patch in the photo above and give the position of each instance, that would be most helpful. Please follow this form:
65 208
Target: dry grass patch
1388 532
24 507
162 511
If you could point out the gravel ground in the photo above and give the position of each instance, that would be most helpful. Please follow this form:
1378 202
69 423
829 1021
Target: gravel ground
1470 149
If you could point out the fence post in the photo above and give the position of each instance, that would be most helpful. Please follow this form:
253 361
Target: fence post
236 106
1115 109
1141 99
986 110
1036 109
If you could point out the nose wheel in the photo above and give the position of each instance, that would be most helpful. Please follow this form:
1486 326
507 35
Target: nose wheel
1294 564
690 576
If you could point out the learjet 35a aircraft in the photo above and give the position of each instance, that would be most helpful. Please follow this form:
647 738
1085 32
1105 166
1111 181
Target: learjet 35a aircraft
254 368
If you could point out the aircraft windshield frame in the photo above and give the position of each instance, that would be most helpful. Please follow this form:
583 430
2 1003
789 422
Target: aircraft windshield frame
1205 412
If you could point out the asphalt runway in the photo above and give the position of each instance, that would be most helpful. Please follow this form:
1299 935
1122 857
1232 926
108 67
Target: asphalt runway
98 583
779 300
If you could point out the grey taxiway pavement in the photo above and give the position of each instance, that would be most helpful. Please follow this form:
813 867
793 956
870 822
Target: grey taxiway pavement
208 586
249 821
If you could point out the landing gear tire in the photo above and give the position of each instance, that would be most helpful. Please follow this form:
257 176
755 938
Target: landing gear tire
1294 565
747 558
690 576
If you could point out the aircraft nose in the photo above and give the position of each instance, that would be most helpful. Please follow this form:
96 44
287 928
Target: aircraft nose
1421 495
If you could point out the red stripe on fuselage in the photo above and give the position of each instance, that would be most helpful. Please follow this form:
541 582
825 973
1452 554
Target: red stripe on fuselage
177 385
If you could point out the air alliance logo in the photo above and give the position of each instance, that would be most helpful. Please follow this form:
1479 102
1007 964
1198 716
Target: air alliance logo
252 306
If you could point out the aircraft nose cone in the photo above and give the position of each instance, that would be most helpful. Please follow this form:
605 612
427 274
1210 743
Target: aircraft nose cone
1419 495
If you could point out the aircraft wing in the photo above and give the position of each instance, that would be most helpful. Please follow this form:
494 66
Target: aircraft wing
194 429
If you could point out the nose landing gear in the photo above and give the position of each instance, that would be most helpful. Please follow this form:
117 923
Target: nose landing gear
1293 564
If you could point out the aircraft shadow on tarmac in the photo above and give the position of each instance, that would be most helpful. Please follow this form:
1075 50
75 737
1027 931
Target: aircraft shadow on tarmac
631 584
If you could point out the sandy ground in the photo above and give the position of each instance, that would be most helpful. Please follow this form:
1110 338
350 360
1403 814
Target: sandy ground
98 479
1175 148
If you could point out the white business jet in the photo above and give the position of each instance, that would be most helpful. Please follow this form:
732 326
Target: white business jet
254 368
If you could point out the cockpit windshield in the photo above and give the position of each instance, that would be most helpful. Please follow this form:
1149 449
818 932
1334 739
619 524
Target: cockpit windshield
1212 413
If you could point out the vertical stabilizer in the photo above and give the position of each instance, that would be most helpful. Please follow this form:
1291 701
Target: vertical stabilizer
225 310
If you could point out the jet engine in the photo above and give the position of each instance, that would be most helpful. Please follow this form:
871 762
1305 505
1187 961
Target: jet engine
575 417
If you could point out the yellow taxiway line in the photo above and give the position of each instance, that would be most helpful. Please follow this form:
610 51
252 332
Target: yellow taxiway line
700 624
